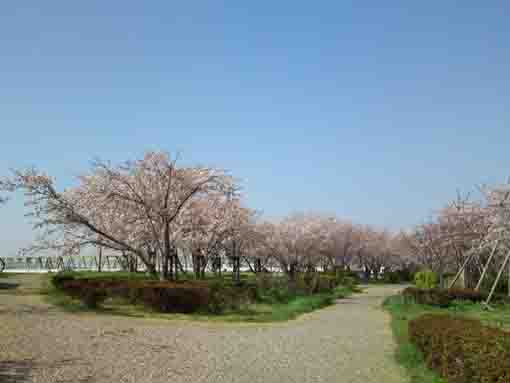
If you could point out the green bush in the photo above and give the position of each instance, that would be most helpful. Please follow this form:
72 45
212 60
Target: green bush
218 301
60 278
277 289
392 277
346 278
406 274
214 296
228 297
177 298
433 297
426 279
442 297
93 298
327 283
462 350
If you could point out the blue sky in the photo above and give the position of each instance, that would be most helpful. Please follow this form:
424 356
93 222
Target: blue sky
376 113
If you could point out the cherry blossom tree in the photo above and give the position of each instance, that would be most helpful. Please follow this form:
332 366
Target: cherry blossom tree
5 186
212 223
132 208
338 243
295 242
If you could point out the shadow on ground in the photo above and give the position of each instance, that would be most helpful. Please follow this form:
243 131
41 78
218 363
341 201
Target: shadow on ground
8 286
15 371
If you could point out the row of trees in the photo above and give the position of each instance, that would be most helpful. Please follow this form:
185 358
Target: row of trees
465 226
147 209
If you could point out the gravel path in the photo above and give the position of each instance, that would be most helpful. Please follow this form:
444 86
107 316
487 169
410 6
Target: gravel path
348 342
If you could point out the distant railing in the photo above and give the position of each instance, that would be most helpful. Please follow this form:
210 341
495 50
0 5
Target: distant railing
59 263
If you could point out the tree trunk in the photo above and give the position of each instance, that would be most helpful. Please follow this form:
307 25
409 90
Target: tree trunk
178 265
258 265
197 258
173 263
203 266
236 269
100 264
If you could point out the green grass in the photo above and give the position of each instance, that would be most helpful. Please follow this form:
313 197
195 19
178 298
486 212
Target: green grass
256 312
27 283
407 354
403 310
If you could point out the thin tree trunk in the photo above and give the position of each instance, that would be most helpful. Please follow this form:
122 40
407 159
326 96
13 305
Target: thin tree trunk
203 266
100 265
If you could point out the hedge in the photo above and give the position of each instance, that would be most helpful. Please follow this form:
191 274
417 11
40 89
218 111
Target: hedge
214 296
462 350
167 297
442 297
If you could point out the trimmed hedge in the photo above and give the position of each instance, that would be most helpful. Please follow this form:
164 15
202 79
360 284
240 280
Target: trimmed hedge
167 297
462 350
442 297
161 296
213 296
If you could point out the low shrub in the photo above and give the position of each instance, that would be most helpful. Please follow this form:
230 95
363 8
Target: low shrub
326 283
442 297
224 297
426 279
392 277
346 278
93 298
178 298
280 294
213 296
466 295
58 279
218 301
276 289
462 350
433 297
406 274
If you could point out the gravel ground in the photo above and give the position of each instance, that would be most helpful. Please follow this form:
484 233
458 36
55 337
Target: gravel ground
348 342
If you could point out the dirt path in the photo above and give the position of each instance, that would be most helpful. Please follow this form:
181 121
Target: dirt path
348 342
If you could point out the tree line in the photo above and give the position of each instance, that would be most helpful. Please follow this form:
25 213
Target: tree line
146 209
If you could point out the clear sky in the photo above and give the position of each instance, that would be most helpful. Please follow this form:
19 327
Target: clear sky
376 113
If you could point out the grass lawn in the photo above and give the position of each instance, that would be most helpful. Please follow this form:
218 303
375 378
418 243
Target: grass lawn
267 311
22 283
402 311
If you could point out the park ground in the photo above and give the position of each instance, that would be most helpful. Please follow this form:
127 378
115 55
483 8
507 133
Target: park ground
350 341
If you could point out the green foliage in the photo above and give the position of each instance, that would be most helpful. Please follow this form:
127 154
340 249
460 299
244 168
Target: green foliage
403 309
58 279
224 296
442 297
392 277
407 354
426 279
93 298
398 276
274 289
175 298
218 301
263 298
462 350
347 278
